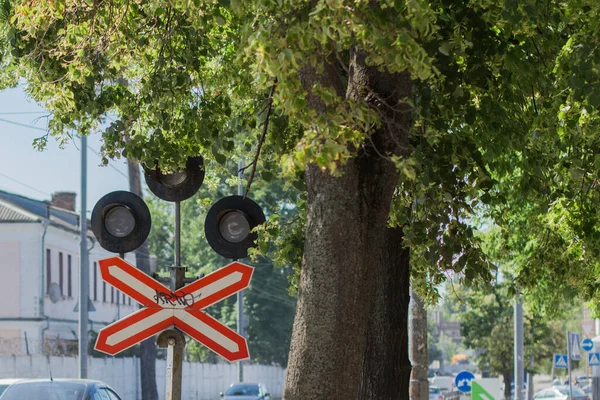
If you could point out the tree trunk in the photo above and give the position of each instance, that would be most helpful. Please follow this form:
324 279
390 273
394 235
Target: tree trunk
386 371
419 386
349 339
507 376
142 260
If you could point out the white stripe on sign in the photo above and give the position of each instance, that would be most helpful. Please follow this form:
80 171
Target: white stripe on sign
134 283
207 330
139 326
216 286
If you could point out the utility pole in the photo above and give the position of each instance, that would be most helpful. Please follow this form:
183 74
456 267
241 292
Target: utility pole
518 347
173 339
83 267
240 294
569 351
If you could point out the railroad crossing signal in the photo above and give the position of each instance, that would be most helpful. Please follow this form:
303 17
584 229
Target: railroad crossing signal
183 308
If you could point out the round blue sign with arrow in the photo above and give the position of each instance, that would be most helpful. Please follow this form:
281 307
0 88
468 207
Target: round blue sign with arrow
587 344
463 381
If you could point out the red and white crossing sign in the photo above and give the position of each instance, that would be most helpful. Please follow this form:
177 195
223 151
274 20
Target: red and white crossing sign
182 308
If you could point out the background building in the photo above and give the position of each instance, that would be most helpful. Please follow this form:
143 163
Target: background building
39 270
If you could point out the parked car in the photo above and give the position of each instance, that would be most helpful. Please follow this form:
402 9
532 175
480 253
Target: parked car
583 380
246 391
445 383
435 393
59 389
559 393
587 389
5 383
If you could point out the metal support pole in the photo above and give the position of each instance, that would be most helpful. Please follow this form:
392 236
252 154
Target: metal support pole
83 267
519 370
173 339
595 387
178 234
240 294
553 369
569 364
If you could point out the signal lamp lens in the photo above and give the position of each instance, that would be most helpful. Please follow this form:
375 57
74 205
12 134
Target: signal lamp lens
234 227
119 221
174 179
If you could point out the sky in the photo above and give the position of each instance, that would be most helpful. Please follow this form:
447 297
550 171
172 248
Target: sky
34 174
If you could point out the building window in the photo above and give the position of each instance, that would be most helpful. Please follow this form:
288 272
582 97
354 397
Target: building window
69 277
129 300
112 294
95 281
118 296
104 292
48 269
60 272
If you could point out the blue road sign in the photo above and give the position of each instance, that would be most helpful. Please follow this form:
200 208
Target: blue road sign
575 346
463 381
593 359
587 344
561 361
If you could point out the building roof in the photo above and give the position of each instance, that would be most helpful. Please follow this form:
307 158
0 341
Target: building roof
10 214
17 208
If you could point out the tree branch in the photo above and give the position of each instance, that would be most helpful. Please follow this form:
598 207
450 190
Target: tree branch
262 138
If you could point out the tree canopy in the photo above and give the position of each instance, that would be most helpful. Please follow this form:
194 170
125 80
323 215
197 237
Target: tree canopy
412 118
504 102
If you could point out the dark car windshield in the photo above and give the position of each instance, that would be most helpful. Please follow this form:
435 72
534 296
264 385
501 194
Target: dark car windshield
45 390
3 388
240 390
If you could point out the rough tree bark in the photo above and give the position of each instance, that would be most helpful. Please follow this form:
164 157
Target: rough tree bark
142 260
419 386
350 331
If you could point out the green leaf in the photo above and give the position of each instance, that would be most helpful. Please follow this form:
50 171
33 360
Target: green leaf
445 48
594 98
267 175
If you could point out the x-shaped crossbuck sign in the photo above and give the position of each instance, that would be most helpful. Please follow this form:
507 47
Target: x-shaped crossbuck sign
183 308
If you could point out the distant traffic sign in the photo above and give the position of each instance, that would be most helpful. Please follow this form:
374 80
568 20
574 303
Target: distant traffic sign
587 344
486 389
561 361
593 359
575 346
463 381
587 327
183 308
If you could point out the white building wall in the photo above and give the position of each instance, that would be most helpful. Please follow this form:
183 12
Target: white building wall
58 319
28 236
